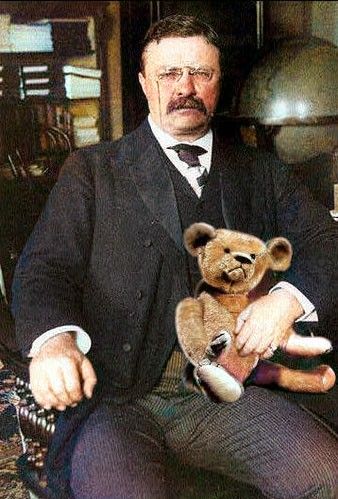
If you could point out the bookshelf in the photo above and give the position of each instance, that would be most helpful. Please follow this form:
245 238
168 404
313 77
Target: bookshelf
36 132
33 95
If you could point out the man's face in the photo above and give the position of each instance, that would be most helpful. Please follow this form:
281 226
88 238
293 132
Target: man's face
181 81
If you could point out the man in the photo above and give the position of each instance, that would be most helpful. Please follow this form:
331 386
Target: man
98 283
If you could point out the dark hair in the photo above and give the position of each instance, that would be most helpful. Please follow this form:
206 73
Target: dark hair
181 26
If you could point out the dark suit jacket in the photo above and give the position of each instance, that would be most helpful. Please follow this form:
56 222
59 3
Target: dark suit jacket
107 253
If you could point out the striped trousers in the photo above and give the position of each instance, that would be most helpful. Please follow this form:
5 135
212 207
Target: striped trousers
263 440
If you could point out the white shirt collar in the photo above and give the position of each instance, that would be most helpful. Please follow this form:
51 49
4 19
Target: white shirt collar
165 140
191 174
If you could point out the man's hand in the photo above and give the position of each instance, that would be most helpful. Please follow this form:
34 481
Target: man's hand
262 326
60 375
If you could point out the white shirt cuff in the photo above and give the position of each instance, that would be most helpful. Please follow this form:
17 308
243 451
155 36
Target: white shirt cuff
310 314
83 340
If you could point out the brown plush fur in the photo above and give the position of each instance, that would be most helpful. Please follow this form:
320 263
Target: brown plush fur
232 264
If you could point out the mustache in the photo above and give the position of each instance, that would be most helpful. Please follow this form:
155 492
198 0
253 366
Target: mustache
186 103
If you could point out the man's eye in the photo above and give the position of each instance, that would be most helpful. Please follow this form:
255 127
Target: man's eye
171 75
202 74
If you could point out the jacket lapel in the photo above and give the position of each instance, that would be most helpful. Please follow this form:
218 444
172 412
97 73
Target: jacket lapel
154 184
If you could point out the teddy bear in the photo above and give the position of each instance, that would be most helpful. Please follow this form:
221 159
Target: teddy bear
232 264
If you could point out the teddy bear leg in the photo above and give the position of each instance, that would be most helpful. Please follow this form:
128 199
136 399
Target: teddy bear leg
317 380
190 329
222 385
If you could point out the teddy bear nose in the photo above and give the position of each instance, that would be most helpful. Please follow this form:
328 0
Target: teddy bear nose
243 258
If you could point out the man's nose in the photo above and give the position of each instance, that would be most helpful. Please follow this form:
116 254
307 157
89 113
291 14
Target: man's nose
186 84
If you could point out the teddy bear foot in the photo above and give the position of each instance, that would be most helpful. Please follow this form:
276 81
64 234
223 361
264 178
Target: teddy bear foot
221 383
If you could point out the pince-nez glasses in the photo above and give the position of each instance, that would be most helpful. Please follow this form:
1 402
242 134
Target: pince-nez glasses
170 75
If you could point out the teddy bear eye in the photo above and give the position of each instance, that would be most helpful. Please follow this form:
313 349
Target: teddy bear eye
253 256
226 250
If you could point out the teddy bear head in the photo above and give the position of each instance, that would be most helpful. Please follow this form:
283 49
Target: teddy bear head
234 262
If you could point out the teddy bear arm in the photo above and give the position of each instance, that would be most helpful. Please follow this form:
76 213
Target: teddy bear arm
305 346
190 329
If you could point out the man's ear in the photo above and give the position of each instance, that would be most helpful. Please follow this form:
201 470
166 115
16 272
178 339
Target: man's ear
141 79
197 235
280 251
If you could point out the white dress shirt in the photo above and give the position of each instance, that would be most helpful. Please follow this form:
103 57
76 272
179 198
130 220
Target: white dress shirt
165 140
191 174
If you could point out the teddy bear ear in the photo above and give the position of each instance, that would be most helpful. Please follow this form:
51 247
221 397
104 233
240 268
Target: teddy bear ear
197 235
280 251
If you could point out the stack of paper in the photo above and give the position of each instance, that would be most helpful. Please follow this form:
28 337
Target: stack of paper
82 83
85 131
35 80
31 37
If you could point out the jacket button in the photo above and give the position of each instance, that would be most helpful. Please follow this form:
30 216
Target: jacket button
147 243
126 347
139 294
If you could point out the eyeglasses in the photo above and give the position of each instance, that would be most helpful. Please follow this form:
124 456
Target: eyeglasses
172 75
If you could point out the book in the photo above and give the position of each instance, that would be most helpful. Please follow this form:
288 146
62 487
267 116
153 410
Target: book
31 38
79 87
35 69
37 91
81 71
84 121
86 136
5 22
36 81
86 132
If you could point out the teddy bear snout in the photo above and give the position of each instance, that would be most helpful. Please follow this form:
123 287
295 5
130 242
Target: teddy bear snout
234 266
243 258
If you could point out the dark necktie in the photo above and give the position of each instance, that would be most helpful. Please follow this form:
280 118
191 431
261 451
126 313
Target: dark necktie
189 154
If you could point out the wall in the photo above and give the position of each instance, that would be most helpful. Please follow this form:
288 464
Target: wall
324 20
301 18
281 19
286 19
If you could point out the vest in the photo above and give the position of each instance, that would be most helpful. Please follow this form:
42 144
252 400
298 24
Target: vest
191 208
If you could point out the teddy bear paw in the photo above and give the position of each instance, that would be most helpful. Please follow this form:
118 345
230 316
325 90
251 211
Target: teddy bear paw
219 343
